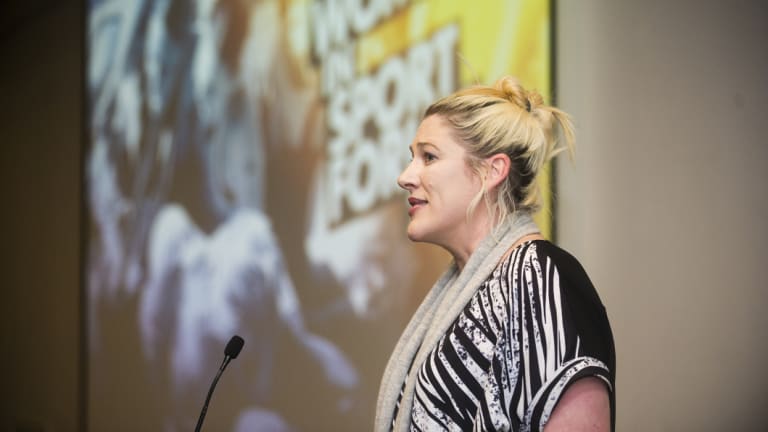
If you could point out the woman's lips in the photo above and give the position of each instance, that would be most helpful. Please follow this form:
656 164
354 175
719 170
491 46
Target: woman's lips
415 205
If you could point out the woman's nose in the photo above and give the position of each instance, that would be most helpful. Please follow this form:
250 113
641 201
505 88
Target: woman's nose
407 179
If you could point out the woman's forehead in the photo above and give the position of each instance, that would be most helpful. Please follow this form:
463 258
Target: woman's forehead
434 130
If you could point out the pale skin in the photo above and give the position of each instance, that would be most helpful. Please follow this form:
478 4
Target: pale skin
440 184
583 408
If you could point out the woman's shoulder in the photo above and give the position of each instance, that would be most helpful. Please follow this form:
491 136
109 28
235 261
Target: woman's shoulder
546 251
560 257
547 257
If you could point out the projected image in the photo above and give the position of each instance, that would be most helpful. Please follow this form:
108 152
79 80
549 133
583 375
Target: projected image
241 180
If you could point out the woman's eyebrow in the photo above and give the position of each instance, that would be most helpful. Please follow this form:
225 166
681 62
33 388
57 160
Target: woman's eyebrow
421 144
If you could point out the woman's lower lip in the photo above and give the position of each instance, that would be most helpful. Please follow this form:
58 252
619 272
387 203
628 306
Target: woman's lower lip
413 209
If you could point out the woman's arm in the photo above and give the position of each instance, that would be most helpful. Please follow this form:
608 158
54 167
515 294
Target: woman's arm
584 407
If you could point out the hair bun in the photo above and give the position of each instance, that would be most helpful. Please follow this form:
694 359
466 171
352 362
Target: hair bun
534 100
515 93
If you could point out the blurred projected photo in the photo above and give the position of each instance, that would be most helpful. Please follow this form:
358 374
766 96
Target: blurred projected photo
241 176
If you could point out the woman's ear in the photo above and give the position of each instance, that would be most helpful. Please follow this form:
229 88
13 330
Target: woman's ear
497 171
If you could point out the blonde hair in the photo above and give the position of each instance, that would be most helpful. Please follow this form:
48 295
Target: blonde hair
506 118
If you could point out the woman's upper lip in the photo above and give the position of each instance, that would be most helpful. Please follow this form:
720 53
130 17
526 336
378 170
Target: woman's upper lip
414 201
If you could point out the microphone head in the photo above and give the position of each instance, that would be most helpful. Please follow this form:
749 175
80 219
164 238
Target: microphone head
234 346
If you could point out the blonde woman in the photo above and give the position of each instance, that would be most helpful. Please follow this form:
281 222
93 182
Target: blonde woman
513 336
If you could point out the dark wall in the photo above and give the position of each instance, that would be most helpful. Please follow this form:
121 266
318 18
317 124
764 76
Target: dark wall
41 134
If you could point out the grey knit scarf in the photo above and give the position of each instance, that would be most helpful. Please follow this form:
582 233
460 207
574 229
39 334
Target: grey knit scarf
444 302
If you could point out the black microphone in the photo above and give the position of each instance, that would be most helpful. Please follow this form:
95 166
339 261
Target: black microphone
230 352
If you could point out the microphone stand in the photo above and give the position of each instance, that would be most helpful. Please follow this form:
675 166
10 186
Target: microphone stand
231 351
210 393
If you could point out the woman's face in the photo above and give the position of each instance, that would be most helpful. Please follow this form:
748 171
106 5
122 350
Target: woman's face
440 184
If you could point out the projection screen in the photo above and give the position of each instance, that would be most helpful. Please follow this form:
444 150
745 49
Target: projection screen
241 175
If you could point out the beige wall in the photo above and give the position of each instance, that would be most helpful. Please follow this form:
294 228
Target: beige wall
666 203
40 144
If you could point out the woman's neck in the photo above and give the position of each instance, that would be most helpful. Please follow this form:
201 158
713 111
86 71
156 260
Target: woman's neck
466 243
462 252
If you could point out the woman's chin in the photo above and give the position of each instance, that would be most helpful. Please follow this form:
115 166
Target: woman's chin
414 234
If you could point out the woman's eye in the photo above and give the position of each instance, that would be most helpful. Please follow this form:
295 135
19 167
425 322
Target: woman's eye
429 157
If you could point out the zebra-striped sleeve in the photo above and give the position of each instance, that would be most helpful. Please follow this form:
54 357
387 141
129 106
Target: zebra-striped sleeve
558 331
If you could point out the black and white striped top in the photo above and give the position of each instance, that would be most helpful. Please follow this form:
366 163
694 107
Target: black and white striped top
534 327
